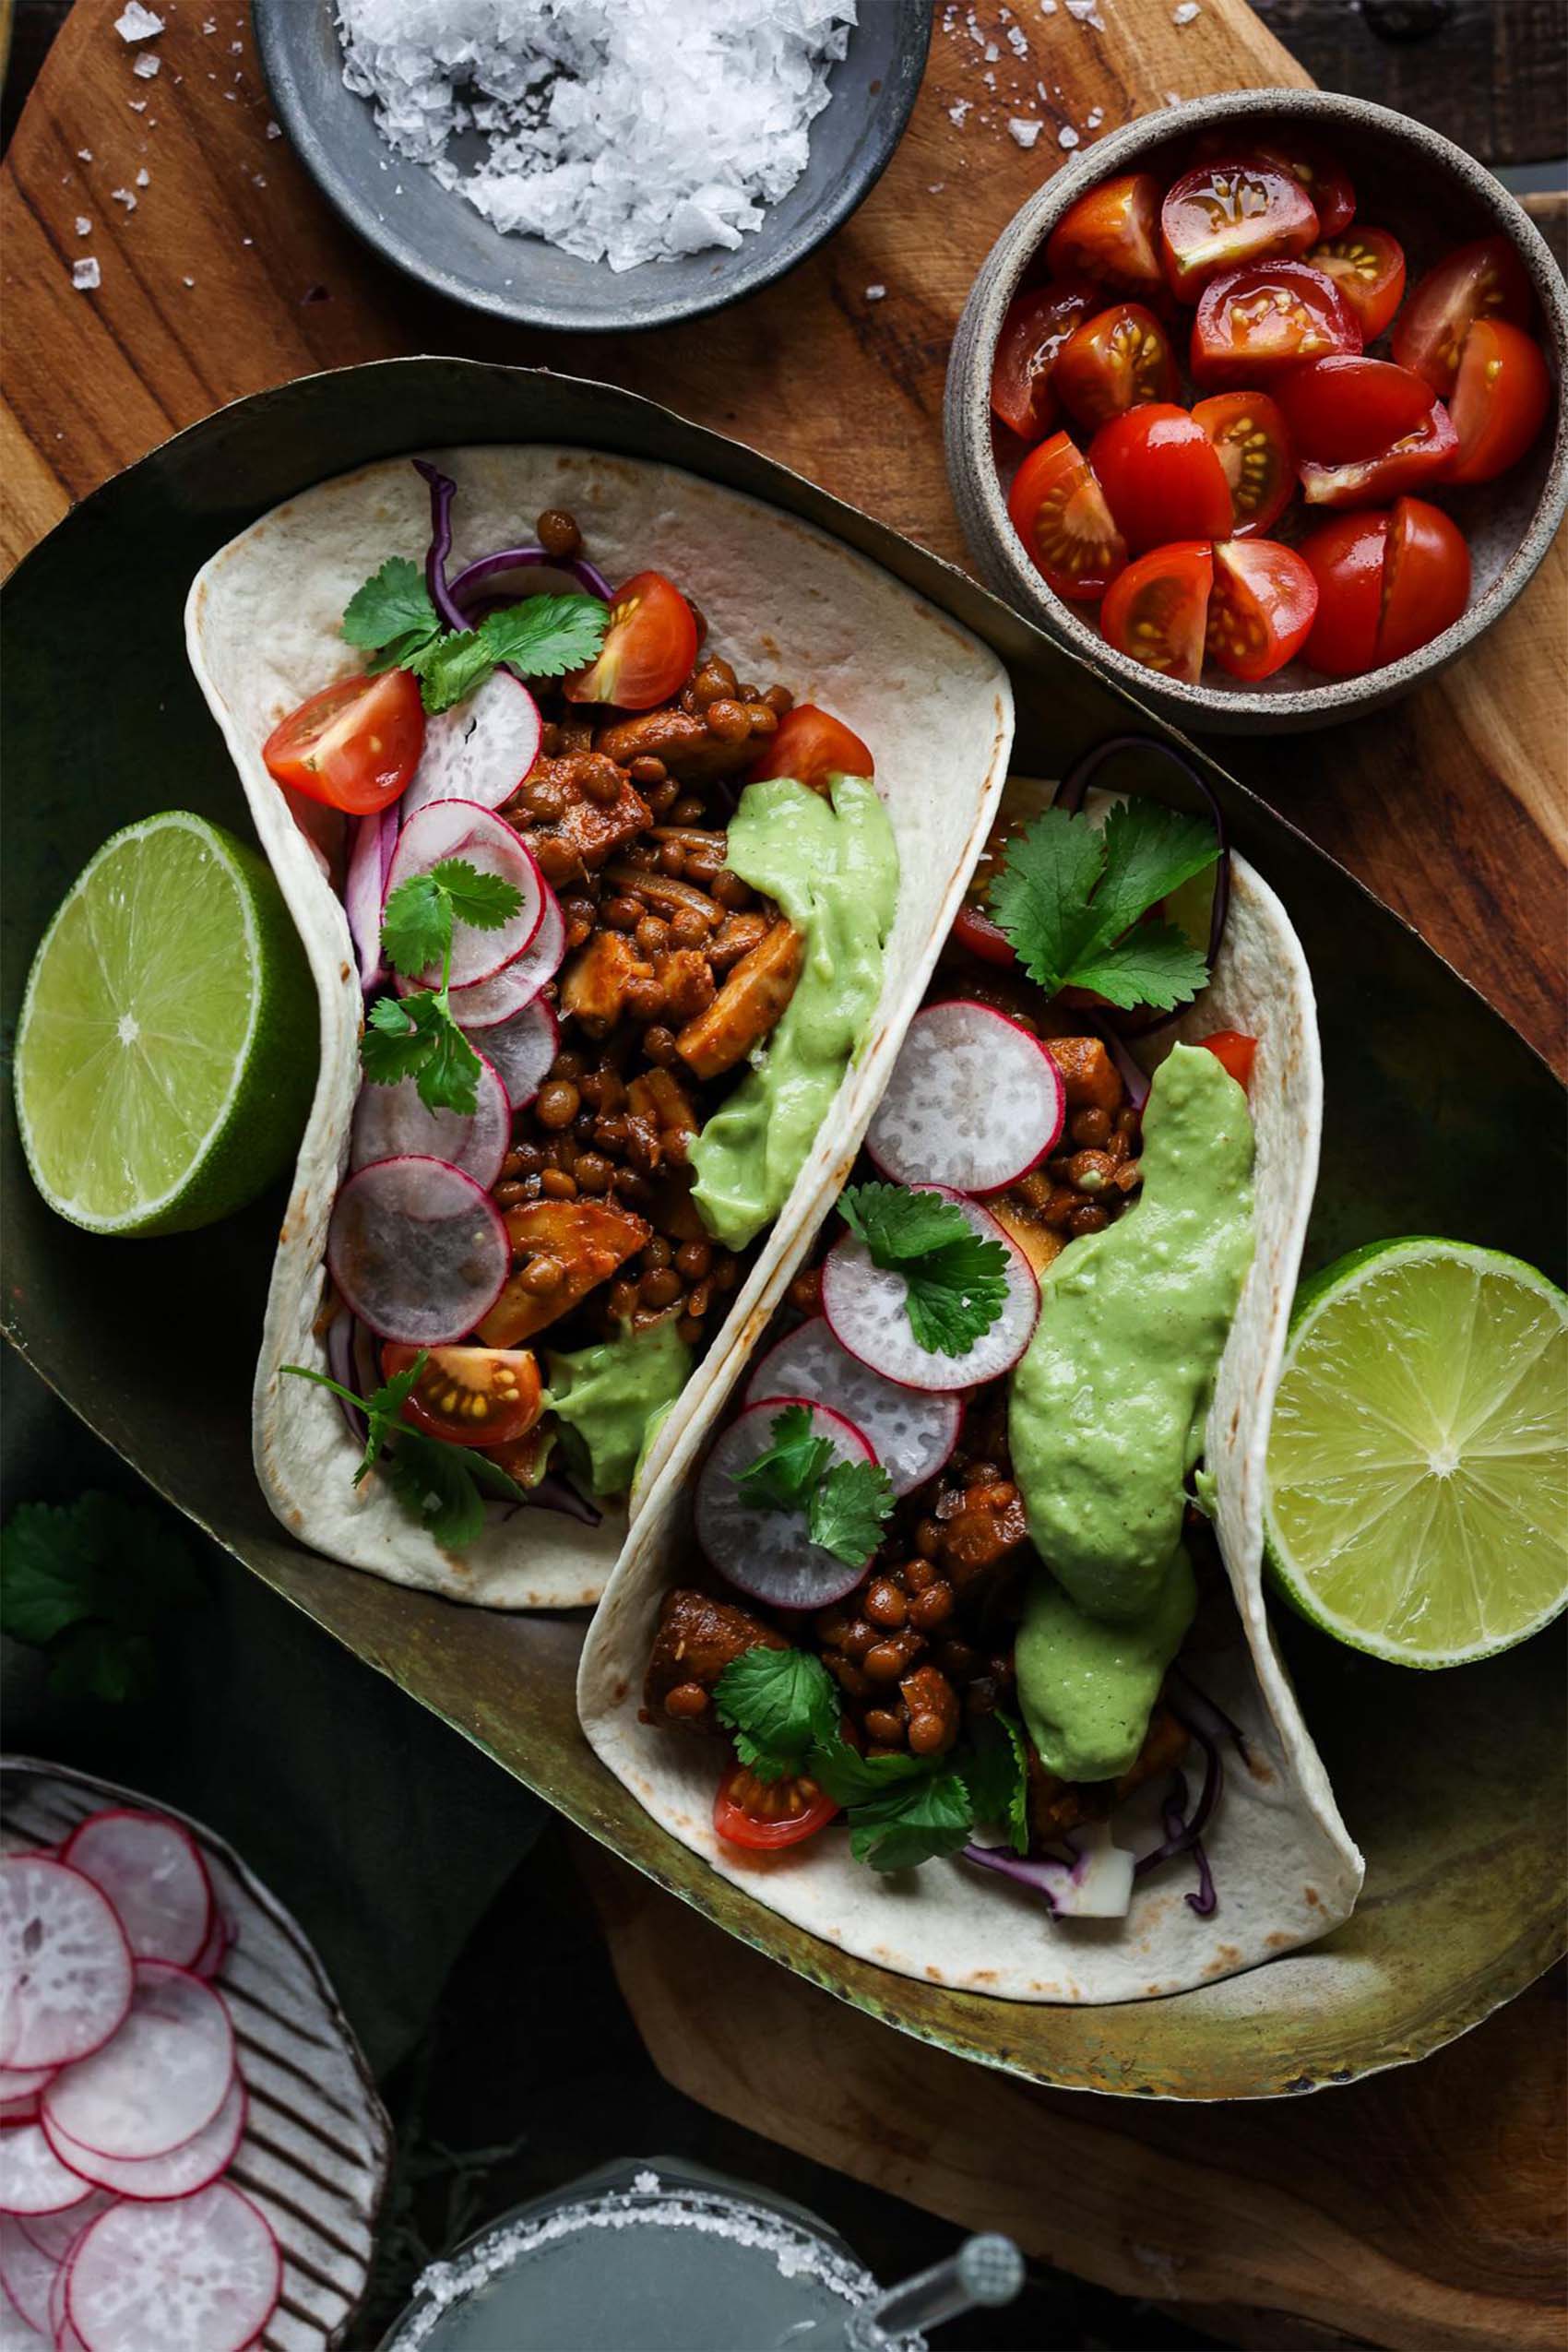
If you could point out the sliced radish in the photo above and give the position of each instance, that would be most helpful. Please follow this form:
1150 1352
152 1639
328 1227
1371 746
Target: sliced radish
518 982
159 2081
768 1553
27 2273
152 1873
866 1309
911 1432
220 1935
522 1049
152 2180
19 2110
391 1122
445 829
202 2274
481 750
363 891
65 1963
418 1250
32 2178
55 2233
22 2082
974 1101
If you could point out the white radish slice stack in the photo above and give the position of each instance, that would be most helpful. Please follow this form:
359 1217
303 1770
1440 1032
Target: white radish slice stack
445 829
27 2273
202 2274
20 2110
522 1049
151 1872
219 1936
22 2082
361 898
65 1963
867 1310
391 1122
32 2178
911 1432
159 2081
481 750
417 1250
154 2179
517 983
974 1101
768 1553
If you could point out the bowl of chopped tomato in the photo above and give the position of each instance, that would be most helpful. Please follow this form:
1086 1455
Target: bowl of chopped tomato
1259 402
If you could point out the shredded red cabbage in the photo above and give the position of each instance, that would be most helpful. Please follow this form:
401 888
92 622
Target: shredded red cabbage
1134 1077
442 490
340 1364
1199 1711
555 1493
575 572
1184 1830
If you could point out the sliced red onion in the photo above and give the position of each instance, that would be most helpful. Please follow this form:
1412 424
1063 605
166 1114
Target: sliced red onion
556 1493
551 574
1097 1883
362 892
417 1250
461 830
1133 1074
345 1372
488 1002
442 490
391 1122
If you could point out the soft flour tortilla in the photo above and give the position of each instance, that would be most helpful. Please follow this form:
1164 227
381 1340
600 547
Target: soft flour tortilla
782 601
1284 1864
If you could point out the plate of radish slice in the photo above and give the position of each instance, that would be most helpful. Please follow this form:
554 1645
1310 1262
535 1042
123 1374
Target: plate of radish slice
192 2152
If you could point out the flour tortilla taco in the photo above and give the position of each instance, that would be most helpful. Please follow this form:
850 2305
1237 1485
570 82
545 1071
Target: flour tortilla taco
950 1646
620 817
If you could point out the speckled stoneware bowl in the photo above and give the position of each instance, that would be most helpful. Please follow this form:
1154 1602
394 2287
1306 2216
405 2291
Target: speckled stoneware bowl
1432 195
437 236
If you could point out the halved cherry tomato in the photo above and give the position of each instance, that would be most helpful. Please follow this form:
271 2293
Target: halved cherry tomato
1059 511
1160 476
1421 456
1253 443
1326 181
1235 210
353 745
1235 1052
1111 235
1368 267
1346 558
1155 612
1501 394
468 1396
1347 407
1426 579
1486 280
1261 607
1255 321
1114 360
1037 326
765 1814
978 930
811 745
647 651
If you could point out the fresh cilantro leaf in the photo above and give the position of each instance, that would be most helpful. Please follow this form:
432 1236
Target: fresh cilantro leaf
897 1224
485 901
416 922
451 668
850 1778
393 615
415 1037
545 635
785 1476
447 1078
437 1485
846 1510
913 1822
994 1770
1070 897
779 1705
956 1279
88 1582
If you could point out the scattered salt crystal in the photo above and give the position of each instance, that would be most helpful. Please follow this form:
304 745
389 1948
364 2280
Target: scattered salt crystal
136 105
145 66
1025 133
957 111
1093 122
137 23
84 155
236 49
122 195
144 177
209 26
84 226
1016 40
1085 12
86 275
1185 13
992 53
1067 135
275 130
187 282
876 294
1048 7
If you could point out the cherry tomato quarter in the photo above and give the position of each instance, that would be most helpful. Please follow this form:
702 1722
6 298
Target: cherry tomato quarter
1368 267
1115 359
1235 1052
1059 511
1161 476
811 745
1486 280
1253 443
1112 234
1261 607
1347 407
1424 454
765 1814
1155 612
1223 213
1036 327
1325 179
647 651
468 1396
1501 397
1426 579
354 745
1251 323
1346 558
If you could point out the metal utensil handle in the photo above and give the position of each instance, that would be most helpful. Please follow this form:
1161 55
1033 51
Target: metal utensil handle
986 2271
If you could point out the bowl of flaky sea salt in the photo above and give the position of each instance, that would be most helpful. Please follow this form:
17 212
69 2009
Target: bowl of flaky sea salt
594 164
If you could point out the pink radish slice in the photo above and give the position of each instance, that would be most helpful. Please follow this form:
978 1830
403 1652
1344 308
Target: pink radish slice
65 1963
911 1432
768 1553
865 1306
32 2178
391 1122
522 1049
445 829
19 2110
418 1250
27 2273
54 2234
518 982
219 1936
481 750
151 1872
161 2078
202 2274
22 2082
362 898
974 1101
152 2180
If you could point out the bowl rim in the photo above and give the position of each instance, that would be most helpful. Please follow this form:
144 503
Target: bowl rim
972 465
893 101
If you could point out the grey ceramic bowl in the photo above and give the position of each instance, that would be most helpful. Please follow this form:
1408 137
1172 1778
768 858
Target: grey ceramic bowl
439 238
1432 195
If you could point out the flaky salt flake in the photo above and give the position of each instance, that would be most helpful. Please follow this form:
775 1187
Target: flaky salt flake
84 226
187 282
1016 40
84 155
275 130
1085 12
1025 132
145 66
137 23
1185 13
144 177
1067 135
86 275
937 187
992 53
1092 122
957 111
1048 7
122 195
876 294
137 106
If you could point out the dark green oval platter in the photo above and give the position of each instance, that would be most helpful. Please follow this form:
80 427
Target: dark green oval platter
1440 1120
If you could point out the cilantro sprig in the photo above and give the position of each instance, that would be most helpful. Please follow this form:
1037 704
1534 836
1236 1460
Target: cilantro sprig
844 1504
956 1279
437 1485
778 1705
1069 896
89 1583
393 617
416 1037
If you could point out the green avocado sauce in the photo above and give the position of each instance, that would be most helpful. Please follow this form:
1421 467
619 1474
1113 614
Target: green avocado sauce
832 865
608 1399
1087 1686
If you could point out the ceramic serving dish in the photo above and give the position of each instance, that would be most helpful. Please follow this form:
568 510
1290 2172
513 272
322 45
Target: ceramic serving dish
1450 1783
1432 196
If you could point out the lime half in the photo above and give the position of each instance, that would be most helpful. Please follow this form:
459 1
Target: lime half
1418 1464
167 1045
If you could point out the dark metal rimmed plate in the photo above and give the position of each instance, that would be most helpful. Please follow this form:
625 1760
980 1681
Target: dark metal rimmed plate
1440 1120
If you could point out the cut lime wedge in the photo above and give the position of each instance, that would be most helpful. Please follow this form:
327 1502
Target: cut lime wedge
1418 1463
167 1045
